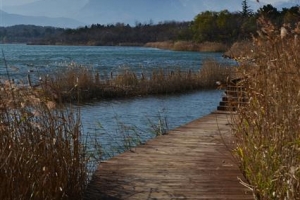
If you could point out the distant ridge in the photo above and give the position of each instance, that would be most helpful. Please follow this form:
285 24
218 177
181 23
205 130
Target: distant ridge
7 19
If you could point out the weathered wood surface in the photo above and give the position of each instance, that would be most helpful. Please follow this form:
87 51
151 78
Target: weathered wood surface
193 161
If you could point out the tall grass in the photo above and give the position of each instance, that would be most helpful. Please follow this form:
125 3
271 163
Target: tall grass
268 129
41 154
79 83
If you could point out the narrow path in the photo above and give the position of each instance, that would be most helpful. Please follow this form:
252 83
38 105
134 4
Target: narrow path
193 161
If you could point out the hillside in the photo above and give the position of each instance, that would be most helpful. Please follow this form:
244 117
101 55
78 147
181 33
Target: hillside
13 19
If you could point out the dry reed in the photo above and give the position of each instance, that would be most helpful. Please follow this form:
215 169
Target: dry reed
268 129
78 83
41 153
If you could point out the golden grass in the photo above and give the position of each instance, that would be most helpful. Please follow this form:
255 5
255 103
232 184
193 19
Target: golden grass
268 129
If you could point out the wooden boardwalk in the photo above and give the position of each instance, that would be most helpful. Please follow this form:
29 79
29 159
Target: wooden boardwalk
193 161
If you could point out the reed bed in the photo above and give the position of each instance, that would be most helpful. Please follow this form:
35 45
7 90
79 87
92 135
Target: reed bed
41 151
189 46
160 45
268 128
79 83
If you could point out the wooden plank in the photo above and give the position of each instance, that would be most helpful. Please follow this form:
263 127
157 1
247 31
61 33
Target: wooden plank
193 161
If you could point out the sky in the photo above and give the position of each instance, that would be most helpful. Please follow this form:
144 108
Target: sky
22 2
16 2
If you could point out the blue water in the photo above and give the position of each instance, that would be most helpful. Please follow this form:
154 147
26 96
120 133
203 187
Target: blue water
116 123
45 59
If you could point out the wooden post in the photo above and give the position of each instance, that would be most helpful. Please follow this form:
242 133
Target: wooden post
29 80
97 78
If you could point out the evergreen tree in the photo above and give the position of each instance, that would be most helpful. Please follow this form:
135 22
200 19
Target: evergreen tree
246 11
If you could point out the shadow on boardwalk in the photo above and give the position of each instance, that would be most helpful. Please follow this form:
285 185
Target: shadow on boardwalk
193 161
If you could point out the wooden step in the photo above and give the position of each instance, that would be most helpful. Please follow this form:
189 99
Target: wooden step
226 108
235 99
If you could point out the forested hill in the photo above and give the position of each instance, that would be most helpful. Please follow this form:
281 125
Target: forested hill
223 26
28 33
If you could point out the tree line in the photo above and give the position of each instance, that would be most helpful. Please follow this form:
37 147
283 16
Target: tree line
124 34
223 26
228 27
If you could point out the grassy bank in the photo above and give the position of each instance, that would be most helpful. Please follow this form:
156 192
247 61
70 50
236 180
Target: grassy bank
267 129
189 46
78 83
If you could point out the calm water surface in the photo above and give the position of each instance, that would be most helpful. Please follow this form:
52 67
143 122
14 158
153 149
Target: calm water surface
113 120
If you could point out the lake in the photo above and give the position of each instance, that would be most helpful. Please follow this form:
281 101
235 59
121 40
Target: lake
121 121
